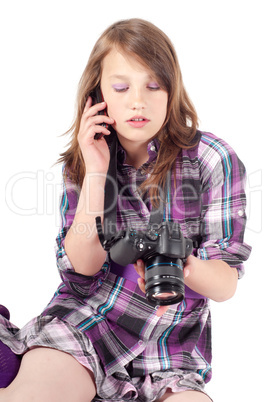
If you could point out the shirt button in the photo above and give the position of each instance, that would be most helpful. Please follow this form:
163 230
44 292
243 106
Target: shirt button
140 343
240 212
153 148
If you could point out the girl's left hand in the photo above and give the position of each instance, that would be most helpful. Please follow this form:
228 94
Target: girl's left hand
140 269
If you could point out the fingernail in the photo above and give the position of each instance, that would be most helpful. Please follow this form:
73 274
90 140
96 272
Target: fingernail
186 273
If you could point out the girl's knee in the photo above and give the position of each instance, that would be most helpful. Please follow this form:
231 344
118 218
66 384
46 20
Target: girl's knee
186 396
51 375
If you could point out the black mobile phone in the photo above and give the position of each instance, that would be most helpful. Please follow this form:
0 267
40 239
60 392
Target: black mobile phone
97 97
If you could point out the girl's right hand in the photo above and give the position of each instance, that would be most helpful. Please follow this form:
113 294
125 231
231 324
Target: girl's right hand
140 269
95 152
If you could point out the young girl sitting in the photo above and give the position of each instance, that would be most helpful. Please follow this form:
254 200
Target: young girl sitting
99 338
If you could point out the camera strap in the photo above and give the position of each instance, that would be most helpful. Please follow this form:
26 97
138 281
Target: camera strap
158 214
110 200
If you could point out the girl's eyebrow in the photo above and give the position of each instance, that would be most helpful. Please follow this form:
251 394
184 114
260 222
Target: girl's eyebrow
119 76
125 77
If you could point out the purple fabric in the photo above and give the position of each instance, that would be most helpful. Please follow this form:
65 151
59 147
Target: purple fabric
108 316
125 330
9 365
130 273
208 201
4 312
9 362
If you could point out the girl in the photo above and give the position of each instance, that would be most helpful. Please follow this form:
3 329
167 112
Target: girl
99 339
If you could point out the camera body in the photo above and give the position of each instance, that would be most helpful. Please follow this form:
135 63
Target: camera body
164 249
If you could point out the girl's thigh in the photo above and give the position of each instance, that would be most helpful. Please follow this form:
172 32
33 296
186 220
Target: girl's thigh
186 396
50 375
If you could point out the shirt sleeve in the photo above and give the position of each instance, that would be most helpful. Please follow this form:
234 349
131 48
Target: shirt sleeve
78 284
223 204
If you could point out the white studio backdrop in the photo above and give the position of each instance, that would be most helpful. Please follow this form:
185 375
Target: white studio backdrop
221 46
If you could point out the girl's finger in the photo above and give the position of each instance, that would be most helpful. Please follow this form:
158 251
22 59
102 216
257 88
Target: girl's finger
99 119
141 284
161 310
91 110
140 268
88 104
95 133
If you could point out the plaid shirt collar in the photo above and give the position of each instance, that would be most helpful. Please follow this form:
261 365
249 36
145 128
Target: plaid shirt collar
152 150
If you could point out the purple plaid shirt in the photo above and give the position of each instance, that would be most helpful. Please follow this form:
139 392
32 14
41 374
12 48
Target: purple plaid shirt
208 200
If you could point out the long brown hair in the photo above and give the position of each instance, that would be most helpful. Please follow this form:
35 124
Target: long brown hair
154 50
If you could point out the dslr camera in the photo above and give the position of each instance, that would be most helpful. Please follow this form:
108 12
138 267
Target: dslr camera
164 250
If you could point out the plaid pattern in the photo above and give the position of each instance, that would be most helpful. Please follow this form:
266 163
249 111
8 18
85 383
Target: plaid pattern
105 322
130 357
208 199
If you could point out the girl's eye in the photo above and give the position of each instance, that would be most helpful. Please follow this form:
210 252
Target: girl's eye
153 86
120 87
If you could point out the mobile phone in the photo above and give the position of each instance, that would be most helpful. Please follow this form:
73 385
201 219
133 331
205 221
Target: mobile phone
97 97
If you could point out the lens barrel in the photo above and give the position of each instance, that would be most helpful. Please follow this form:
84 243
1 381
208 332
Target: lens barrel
164 280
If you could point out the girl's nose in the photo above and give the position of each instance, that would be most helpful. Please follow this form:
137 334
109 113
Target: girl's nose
137 100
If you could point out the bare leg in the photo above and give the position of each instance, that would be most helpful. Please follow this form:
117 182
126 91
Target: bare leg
187 396
50 375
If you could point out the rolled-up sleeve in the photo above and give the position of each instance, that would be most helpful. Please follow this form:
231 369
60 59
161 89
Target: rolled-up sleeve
223 205
78 284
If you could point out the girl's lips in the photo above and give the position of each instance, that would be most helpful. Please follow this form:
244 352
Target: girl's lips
137 121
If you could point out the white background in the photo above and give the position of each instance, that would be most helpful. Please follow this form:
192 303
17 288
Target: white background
221 46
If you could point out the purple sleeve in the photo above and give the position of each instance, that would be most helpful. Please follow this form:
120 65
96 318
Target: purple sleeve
223 204
77 283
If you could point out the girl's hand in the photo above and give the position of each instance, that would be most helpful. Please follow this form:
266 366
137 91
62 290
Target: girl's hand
214 279
140 269
95 152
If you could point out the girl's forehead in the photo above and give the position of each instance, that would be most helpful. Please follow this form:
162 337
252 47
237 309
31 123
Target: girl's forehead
118 62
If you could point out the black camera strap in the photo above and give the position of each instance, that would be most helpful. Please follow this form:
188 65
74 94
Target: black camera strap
110 200
158 214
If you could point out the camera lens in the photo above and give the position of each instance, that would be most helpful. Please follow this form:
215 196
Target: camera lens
164 280
164 295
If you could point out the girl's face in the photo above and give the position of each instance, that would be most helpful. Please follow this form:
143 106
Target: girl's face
134 99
